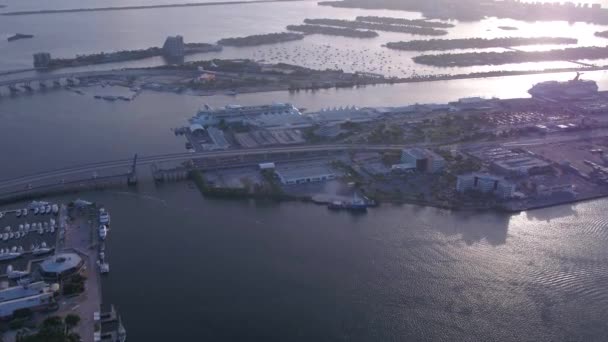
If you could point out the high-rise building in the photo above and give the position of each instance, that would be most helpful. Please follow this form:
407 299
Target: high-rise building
174 46
42 59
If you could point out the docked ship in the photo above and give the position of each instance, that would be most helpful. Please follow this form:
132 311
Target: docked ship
569 90
356 204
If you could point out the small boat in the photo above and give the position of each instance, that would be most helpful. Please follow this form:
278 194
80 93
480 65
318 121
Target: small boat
9 256
27 227
103 232
52 229
5 236
47 209
18 212
36 210
17 235
104 217
55 209
10 235
40 231
24 212
1 214
20 227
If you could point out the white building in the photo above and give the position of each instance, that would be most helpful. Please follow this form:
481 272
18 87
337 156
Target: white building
425 160
485 183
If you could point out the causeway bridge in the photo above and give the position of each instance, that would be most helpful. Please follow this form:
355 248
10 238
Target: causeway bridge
124 170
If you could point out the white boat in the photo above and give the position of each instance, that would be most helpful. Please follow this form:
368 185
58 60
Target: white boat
40 231
47 209
52 229
17 235
20 227
55 209
103 232
5 236
9 256
24 211
104 267
14 274
26 227
10 235
104 217
1 214
18 212
36 210
42 249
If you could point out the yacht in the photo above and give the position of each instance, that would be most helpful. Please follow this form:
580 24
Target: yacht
14 274
42 249
9 255
103 232
104 217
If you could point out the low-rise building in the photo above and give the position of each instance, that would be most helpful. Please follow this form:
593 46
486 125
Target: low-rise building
485 183
299 174
425 160
61 265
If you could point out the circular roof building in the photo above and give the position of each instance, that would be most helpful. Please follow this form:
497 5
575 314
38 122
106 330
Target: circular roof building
61 265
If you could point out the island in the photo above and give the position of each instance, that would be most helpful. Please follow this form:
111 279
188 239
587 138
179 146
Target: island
126 55
402 21
480 9
510 57
332 31
476 43
261 39
18 36
602 34
354 24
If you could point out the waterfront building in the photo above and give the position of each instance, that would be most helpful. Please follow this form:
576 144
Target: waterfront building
174 46
61 265
485 183
339 115
299 174
424 160
42 59
38 295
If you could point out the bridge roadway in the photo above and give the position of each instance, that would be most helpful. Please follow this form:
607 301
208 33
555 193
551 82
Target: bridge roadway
43 77
56 176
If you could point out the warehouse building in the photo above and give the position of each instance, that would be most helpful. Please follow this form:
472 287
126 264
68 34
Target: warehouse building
300 174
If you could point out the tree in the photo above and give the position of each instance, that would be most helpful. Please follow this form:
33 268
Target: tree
71 321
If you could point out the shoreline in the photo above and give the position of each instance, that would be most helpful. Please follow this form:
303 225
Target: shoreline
121 8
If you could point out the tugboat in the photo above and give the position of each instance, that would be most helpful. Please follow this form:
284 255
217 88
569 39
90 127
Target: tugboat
356 205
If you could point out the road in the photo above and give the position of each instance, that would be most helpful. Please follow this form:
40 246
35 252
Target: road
55 176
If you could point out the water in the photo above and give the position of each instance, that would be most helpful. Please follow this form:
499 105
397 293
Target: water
70 34
185 268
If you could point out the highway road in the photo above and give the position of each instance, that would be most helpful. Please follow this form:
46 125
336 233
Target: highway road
53 176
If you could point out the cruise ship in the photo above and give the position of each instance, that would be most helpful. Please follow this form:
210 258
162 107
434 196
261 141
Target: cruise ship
570 90
208 116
